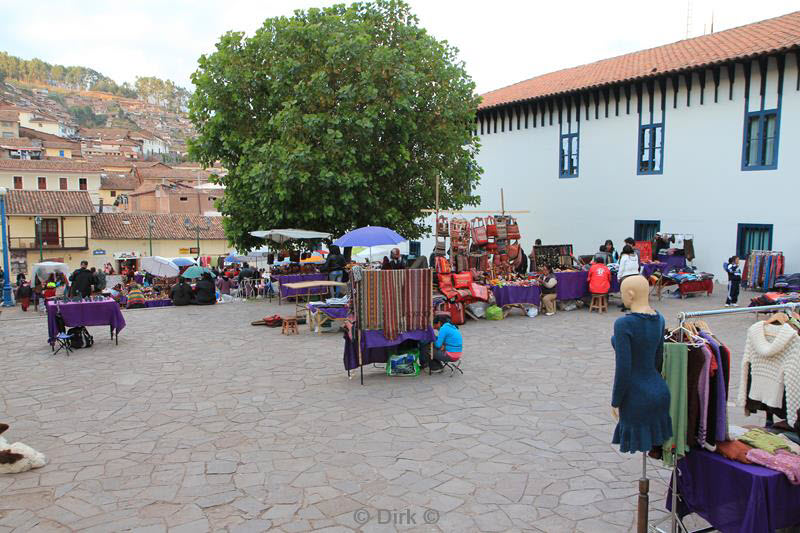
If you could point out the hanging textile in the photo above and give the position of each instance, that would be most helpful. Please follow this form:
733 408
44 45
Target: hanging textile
762 268
394 301
674 371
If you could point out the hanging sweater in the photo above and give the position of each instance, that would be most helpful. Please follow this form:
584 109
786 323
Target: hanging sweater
773 360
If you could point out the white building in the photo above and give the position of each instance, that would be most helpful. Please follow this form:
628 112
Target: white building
699 136
151 144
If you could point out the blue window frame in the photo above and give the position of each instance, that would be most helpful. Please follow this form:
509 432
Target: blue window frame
761 133
568 160
651 149
645 230
753 237
61 153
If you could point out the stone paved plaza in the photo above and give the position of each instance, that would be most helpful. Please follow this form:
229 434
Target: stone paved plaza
199 421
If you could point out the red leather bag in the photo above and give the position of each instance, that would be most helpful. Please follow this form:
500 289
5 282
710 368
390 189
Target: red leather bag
442 265
481 292
491 227
456 311
462 280
512 228
442 225
445 281
479 235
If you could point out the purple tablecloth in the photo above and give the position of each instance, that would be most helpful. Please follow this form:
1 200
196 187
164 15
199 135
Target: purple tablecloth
374 346
138 278
511 294
333 312
158 303
648 269
105 313
735 497
575 285
297 278
672 261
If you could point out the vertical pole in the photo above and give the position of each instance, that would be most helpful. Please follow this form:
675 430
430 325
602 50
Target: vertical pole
150 236
6 268
644 500
198 244
436 216
502 202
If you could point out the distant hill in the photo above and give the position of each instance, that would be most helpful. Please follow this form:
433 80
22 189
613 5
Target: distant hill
163 93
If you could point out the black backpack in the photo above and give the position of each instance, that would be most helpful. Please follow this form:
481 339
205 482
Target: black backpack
80 337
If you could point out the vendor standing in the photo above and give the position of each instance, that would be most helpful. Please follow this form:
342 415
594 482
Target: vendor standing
549 283
334 266
82 281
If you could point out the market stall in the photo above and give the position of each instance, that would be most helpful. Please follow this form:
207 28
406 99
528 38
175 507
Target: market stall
104 312
285 292
389 307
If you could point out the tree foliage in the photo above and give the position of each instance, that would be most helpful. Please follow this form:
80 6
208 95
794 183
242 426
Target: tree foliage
163 93
336 118
86 117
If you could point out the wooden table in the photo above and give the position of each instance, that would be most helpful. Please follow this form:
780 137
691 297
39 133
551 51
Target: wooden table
308 289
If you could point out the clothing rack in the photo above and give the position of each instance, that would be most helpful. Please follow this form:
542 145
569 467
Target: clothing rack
676 522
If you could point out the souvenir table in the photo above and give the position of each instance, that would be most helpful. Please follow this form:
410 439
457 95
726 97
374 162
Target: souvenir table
287 292
672 261
304 290
733 496
318 313
96 313
699 286
375 347
575 285
508 297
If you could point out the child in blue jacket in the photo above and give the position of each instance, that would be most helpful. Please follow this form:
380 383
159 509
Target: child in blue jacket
734 280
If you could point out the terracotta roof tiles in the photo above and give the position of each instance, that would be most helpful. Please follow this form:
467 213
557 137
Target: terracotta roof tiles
49 203
166 226
768 36
64 165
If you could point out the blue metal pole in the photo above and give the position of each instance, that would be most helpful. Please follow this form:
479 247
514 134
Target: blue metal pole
6 267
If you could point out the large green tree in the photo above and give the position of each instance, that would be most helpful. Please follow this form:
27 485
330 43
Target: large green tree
336 118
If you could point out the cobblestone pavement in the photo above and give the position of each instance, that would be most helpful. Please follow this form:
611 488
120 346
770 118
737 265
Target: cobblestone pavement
199 421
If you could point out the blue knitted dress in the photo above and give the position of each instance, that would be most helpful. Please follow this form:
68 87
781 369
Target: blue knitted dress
640 393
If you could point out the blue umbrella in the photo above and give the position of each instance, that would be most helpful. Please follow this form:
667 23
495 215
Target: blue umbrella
232 259
369 236
196 271
183 261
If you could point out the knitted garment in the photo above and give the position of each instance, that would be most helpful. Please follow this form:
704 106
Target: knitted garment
772 357
782 461
758 438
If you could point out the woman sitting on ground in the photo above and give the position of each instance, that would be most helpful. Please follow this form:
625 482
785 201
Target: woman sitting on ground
204 291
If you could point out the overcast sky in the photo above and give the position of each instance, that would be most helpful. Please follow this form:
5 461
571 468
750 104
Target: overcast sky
501 42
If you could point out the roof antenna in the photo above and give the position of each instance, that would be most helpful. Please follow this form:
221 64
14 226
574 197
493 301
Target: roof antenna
712 21
688 17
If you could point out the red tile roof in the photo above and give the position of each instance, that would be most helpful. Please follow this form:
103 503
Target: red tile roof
9 115
166 226
64 165
172 173
768 36
22 142
49 203
118 183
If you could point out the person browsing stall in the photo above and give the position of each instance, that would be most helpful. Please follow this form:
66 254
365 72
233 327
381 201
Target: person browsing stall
334 267
599 276
181 293
549 282
82 281
628 263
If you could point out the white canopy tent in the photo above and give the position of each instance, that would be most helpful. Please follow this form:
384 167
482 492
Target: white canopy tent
377 253
45 268
159 266
282 235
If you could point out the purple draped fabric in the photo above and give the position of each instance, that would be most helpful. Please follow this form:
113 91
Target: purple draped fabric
648 269
105 313
297 278
333 312
672 261
374 346
511 294
575 285
735 497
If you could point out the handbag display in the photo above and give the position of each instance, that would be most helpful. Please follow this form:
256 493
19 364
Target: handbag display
514 250
491 227
442 265
512 228
462 280
491 247
502 228
442 226
462 263
481 292
479 235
